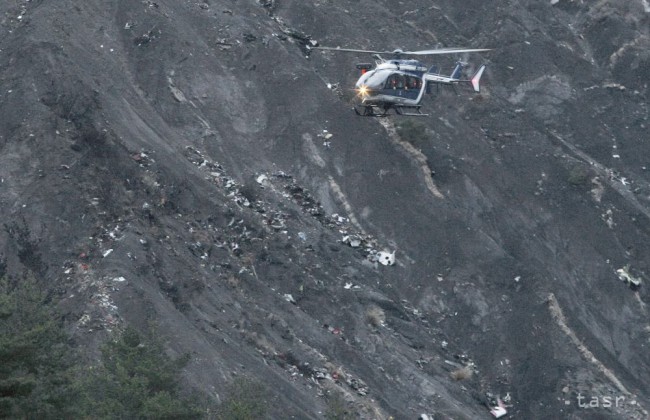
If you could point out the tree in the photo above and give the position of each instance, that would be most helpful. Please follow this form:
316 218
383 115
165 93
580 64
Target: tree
136 379
35 364
246 400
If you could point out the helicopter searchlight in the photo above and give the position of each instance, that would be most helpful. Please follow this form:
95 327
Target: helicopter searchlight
363 91
400 83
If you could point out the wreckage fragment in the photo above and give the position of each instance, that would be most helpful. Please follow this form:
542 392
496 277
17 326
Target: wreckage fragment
625 276
386 258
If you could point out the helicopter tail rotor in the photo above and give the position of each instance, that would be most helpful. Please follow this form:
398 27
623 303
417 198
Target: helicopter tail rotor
477 78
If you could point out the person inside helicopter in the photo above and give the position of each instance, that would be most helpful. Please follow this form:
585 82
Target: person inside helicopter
395 81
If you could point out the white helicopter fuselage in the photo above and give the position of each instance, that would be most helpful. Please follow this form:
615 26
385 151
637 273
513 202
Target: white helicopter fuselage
395 81
404 82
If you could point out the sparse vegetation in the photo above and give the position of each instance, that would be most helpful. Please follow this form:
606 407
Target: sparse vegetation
578 176
35 368
246 400
375 316
460 374
337 408
412 131
136 379
39 379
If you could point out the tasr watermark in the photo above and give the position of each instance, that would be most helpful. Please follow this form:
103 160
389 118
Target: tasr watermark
601 401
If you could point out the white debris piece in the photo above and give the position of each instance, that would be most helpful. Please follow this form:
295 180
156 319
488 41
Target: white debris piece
339 219
119 279
289 298
624 275
107 253
352 240
262 179
500 410
177 93
386 258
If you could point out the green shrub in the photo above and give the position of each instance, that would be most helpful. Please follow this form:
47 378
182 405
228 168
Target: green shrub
136 379
35 366
337 408
579 176
246 399
412 131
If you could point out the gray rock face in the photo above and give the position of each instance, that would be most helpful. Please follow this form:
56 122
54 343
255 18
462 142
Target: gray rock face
194 164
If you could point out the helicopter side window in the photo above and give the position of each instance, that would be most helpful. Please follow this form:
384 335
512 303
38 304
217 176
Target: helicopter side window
413 82
400 81
391 82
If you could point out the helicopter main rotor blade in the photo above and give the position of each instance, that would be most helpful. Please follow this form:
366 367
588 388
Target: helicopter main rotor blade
349 50
399 52
444 51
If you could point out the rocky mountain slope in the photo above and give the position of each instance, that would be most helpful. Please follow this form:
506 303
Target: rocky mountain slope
195 165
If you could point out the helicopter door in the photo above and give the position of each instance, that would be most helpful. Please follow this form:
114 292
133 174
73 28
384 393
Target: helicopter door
412 87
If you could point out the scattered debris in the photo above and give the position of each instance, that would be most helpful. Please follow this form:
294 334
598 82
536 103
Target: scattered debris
325 134
625 276
352 240
333 330
267 4
358 385
499 410
303 39
145 38
289 298
142 158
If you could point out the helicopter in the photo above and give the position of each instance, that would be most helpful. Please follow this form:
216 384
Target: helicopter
400 83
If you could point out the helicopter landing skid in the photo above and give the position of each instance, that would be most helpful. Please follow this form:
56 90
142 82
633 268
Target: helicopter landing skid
371 110
399 110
